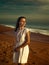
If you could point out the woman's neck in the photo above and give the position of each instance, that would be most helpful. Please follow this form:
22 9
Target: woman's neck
21 28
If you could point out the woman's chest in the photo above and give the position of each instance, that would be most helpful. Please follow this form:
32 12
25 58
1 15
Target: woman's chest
20 35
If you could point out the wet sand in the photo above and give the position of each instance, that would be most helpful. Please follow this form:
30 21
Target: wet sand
39 47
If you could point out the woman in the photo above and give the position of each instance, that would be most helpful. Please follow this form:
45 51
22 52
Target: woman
21 48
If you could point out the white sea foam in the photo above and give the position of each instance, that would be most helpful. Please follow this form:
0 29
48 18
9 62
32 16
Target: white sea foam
8 25
45 32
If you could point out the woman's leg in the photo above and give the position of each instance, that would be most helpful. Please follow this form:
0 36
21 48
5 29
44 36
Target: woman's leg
20 64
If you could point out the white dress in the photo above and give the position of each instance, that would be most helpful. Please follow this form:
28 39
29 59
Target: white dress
22 55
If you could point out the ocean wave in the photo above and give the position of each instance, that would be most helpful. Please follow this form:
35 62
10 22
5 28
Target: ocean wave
8 25
44 32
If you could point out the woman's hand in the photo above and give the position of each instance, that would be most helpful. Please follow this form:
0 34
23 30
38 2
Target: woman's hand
16 49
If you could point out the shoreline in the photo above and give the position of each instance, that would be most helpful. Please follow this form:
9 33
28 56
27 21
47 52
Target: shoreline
38 31
34 36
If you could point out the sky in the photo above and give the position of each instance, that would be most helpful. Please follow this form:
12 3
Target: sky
31 9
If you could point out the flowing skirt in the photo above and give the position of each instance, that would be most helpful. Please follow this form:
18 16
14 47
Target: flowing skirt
22 55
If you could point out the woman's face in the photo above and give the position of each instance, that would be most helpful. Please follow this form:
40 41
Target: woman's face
22 22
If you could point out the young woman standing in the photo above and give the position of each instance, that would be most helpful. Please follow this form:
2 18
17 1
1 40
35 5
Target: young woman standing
21 48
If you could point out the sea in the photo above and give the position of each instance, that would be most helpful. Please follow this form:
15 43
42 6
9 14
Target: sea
36 27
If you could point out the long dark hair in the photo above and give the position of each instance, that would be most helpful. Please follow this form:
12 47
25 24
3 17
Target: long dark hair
17 23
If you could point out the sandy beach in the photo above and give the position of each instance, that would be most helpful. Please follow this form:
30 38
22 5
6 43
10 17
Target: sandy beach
39 47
